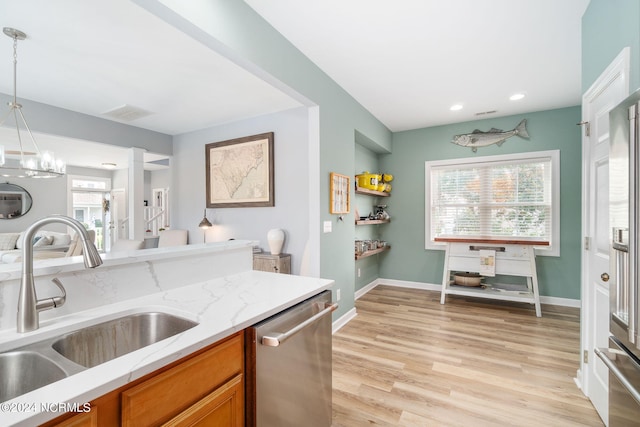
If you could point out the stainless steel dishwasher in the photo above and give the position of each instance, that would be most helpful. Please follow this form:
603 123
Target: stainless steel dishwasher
290 374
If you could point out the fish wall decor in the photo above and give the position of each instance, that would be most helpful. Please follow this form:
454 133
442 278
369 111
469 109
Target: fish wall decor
478 138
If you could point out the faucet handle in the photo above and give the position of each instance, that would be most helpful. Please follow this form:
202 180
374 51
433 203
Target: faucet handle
47 303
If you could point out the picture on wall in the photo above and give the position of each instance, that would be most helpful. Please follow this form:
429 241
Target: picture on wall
240 172
339 202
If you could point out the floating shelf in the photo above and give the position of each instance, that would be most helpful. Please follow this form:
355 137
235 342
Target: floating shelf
368 192
372 221
373 252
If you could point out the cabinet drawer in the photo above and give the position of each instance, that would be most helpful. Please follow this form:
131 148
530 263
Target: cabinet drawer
162 397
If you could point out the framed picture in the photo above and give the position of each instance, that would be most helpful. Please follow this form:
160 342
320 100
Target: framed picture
240 172
339 203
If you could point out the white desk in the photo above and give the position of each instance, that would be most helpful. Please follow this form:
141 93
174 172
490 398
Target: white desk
512 259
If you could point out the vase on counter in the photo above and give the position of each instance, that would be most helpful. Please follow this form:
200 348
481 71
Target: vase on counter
275 238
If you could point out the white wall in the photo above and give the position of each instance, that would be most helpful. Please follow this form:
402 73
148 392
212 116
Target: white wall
290 212
49 197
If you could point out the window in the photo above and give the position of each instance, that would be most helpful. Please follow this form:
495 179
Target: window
509 196
87 204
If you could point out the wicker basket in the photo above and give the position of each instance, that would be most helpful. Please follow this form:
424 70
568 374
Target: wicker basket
467 279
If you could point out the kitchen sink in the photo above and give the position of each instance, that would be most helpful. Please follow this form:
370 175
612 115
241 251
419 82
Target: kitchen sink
26 368
103 342
24 371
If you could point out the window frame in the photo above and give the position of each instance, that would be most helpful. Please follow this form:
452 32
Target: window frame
554 155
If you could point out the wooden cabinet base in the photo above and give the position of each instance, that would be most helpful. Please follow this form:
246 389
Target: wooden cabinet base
206 388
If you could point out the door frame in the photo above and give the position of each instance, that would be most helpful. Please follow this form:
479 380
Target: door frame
618 69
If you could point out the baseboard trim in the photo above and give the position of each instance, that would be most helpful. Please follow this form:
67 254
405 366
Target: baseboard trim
343 320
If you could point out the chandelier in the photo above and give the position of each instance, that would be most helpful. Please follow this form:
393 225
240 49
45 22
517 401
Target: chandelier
25 164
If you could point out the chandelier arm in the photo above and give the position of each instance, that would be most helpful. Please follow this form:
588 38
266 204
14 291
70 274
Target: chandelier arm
33 140
15 115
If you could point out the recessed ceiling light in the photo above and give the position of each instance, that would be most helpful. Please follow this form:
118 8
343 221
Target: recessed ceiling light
516 96
456 107
109 165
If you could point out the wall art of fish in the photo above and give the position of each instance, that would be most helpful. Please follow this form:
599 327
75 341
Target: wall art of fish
478 138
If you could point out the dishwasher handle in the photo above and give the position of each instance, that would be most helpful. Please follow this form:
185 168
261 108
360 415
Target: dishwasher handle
602 354
275 339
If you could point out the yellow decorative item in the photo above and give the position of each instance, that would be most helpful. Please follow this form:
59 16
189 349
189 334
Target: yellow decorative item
386 177
368 180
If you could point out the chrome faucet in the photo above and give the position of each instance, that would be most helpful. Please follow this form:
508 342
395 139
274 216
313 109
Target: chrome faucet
28 304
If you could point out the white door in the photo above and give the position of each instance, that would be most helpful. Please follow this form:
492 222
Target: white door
118 223
609 90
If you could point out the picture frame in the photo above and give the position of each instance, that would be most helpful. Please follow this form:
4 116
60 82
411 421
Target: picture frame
340 197
239 172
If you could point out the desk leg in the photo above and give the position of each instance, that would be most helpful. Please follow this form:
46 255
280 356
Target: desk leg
532 282
445 276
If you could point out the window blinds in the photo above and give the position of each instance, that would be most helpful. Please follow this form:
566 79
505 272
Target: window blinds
492 199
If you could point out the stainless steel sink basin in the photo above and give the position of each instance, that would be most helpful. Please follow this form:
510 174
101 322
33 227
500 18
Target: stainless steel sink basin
24 371
100 343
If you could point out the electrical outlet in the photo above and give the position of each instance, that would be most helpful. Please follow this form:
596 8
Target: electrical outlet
337 294
358 272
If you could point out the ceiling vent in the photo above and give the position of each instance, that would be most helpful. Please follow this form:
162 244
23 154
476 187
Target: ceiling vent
484 113
127 113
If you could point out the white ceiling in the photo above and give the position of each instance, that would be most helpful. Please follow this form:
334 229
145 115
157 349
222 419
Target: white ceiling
406 61
92 57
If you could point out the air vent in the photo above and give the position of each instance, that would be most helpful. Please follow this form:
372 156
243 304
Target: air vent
127 113
484 113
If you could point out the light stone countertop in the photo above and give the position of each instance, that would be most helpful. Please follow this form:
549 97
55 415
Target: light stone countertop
221 306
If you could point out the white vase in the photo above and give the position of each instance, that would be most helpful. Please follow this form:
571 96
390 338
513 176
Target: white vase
275 238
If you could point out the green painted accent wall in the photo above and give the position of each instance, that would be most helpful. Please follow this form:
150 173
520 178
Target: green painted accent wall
607 27
549 130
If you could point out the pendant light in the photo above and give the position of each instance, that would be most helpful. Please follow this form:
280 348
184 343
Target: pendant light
22 163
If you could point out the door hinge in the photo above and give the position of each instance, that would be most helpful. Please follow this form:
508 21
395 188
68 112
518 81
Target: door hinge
586 243
587 127
585 356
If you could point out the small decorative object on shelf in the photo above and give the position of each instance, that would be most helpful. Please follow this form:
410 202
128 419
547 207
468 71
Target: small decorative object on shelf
366 248
373 183
275 238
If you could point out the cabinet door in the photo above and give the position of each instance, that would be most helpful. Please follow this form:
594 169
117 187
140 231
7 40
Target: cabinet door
171 392
86 419
223 407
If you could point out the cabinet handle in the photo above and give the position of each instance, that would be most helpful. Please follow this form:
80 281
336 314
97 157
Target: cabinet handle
604 277
276 340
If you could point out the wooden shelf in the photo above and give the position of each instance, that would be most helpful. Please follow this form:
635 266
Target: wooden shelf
371 192
373 252
372 221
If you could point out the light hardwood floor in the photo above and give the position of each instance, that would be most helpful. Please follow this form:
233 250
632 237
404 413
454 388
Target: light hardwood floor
407 360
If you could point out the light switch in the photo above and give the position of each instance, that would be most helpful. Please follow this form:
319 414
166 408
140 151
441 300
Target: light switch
327 226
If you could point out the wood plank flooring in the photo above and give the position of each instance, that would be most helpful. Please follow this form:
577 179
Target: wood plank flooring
407 360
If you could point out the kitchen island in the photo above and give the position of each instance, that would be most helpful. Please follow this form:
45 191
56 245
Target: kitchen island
212 285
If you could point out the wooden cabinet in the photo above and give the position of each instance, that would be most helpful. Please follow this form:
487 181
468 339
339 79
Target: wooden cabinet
206 388
274 263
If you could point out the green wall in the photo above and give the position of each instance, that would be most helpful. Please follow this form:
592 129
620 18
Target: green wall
549 130
607 27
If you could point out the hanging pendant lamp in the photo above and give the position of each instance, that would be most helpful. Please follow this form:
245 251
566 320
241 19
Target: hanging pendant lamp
23 163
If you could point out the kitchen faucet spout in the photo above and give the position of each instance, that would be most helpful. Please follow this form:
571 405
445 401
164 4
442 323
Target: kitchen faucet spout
28 304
